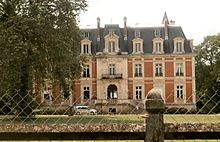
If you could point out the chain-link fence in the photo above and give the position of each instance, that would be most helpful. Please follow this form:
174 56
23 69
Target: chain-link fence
29 109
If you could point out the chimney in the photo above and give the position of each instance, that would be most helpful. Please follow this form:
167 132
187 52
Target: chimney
98 29
125 28
165 21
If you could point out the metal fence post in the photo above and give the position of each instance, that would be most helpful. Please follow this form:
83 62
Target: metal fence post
154 106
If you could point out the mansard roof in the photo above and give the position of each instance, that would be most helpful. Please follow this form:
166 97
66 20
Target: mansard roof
146 33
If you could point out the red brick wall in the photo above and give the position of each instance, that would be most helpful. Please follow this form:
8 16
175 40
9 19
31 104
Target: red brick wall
130 69
169 69
188 68
169 91
189 98
56 94
77 92
148 69
94 90
94 69
148 86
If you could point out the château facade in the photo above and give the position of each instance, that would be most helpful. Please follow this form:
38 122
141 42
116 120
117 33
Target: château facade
125 63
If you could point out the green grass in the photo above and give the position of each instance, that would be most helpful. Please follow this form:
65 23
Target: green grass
109 119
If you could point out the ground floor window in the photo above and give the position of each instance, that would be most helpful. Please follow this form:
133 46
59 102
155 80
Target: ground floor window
138 92
86 93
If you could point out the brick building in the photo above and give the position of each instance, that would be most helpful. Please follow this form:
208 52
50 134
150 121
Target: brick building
125 63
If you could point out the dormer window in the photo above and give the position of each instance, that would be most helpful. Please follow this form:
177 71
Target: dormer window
157 33
111 46
85 35
85 46
158 46
111 43
137 45
178 45
137 33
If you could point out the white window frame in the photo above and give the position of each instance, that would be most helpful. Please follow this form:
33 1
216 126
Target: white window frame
138 92
112 69
178 45
86 71
137 46
86 89
179 69
111 46
86 46
158 69
137 33
158 45
138 70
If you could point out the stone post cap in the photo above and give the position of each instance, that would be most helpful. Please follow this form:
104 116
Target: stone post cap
154 102
154 94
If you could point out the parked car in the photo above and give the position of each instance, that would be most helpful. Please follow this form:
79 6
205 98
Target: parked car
78 110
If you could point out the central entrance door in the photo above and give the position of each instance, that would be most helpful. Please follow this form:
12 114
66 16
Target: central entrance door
112 92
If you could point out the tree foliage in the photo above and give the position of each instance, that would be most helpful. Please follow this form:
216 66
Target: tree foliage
38 39
208 74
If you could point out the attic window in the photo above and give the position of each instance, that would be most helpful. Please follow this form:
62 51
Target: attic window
137 33
111 32
157 33
86 35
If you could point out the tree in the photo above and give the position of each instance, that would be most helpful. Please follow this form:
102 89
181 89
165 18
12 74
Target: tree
208 74
38 39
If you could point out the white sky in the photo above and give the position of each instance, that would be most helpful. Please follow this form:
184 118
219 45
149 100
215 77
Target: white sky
198 18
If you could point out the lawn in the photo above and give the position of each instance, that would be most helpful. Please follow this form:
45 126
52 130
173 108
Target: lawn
109 119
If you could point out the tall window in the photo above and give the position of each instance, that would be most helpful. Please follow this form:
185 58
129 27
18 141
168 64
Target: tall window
138 92
85 48
138 70
179 92
158 47
179 69
86 71
86 93
158 69
137 47
179 47
111 46
112 69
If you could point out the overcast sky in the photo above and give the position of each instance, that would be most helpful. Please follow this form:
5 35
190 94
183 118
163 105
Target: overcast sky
198 18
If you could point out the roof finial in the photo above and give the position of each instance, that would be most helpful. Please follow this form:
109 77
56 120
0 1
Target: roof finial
165 19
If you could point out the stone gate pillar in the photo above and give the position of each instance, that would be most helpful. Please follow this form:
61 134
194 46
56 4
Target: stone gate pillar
154 106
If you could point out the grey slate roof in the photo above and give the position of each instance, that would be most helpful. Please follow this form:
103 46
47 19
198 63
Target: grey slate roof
146 33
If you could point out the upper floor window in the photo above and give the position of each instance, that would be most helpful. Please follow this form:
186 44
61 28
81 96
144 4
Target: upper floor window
86 71
112 69
178 45
138 70
137 33
85 35
111 43
138 92
158 69
179 69
111 46
85 46
137 45
158 45
157 33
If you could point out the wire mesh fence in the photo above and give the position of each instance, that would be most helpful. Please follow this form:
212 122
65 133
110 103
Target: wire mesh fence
31 109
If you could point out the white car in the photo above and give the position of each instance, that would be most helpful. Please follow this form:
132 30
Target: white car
78 110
